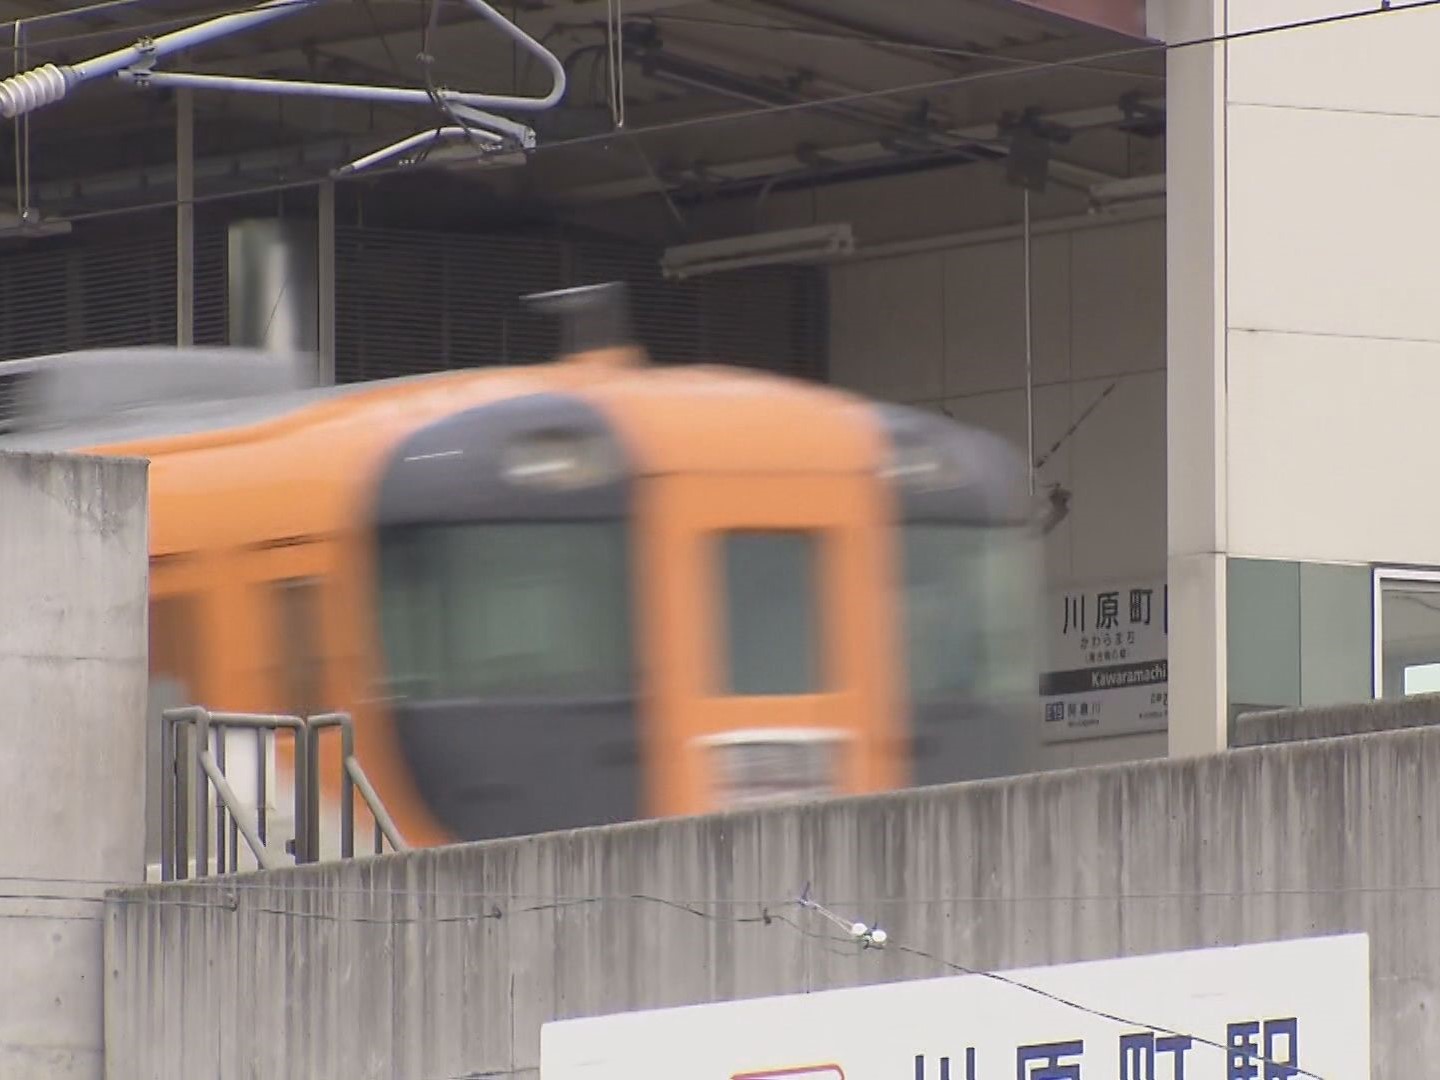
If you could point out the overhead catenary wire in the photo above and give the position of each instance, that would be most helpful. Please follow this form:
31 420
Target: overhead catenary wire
243 884
380 171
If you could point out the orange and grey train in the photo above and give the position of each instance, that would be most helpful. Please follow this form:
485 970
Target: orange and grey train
572 593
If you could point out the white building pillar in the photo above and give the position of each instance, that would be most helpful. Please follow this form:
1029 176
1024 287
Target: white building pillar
1304 346
1195 386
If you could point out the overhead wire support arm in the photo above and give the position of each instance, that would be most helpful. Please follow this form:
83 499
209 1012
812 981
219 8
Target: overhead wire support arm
412 143
30 90
49 83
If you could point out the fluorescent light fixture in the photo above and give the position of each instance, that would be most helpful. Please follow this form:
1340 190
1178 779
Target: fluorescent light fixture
1131 189
814 243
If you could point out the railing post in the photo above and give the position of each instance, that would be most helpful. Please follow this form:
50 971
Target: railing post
167 797
262 794
221 832
202 794
302 796
347 789
182 799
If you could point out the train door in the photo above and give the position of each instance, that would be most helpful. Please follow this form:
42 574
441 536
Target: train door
768 640
178 672
291 595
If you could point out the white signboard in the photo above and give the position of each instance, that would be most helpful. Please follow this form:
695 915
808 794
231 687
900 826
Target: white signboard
1108 669
1275 1011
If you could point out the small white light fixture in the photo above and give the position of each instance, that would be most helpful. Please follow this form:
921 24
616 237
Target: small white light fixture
814 243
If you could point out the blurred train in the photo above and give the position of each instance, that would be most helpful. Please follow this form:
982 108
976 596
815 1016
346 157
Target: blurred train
578 592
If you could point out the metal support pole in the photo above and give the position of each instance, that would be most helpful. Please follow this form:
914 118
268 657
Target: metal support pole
325 322
184 218
22 138
1029 358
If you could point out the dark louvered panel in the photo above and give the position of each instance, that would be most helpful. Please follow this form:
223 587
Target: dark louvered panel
767 317
114 290
387 307
666 314
212 275
36 315
411 302
127 290
485 279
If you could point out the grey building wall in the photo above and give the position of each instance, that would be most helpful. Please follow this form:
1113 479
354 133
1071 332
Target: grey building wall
73 581
445 963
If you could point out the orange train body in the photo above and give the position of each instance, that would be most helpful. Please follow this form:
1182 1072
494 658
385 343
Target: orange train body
244 509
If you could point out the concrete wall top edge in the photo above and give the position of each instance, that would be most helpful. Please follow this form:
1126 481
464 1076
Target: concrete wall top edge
118 460
1307 724
1260 739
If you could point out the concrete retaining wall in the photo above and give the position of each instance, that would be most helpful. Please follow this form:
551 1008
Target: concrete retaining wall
445 963
73 582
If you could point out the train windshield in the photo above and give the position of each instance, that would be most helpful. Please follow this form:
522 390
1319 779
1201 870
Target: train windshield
971 611
506 610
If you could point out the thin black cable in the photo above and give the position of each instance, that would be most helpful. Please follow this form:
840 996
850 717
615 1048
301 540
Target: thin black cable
552 899
381 171
1124 1021
766 918
383 38
130 30
1280 1068
986 76
853 37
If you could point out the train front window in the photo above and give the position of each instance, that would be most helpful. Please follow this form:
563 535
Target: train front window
771 634
971 611
506 610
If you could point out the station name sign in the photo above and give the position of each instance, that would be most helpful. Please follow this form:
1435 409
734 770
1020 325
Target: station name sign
1107 652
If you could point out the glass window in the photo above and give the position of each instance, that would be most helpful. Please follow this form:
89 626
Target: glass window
771 631
508 610
971 610
1408 631
1422 679
1298 634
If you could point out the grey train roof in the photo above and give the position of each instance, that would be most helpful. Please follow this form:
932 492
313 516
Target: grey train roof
104 396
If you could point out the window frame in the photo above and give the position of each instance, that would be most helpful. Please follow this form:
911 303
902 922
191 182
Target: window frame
1380 576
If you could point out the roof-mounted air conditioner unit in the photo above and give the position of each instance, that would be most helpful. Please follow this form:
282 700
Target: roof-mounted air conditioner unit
815 243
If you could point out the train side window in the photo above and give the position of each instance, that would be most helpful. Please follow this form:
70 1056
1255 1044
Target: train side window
175 645
297 605
771 624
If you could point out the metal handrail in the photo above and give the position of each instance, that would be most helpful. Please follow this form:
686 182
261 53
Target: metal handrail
207 767
353 777
174 841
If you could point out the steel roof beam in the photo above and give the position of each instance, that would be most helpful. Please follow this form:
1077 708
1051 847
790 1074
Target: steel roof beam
1078 120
